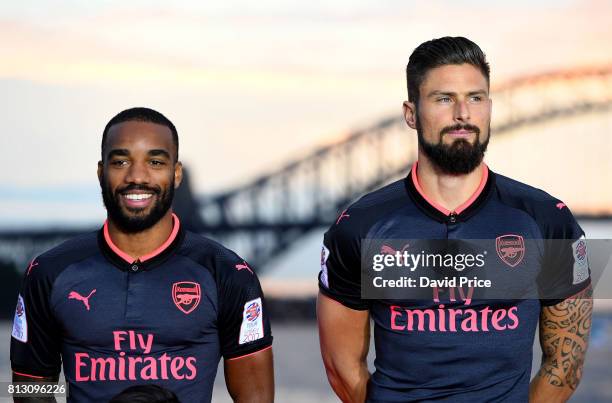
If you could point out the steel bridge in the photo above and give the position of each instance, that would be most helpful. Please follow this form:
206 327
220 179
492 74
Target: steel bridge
263 217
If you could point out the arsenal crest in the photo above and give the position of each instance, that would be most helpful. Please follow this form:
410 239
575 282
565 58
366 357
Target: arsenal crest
186 295
510 249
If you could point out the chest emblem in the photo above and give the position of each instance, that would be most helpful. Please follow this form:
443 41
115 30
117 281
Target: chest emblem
186 296
84 300
510 249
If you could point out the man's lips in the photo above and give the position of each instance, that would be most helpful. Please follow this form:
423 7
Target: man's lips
460 133
137 199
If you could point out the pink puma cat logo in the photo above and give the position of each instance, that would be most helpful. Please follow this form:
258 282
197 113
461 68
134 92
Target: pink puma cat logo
561 205
84 300
244 266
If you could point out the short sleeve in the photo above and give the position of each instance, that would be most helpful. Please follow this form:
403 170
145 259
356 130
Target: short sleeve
35 341
565 270
340 275
244 324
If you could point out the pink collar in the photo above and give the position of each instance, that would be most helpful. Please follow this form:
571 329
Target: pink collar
175 229
468 202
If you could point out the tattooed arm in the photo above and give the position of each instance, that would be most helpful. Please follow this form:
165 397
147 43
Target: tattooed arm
564 336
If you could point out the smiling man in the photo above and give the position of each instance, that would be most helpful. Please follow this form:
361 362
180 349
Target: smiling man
454 347
142 300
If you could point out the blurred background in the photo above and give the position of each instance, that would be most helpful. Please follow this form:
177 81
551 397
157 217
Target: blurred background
287 111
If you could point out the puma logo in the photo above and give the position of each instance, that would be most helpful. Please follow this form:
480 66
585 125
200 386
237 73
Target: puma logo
84 300
561 205
244 266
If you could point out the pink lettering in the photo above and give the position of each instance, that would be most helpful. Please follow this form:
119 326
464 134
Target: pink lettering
79 364
132 367
484 320
122 366
394 315
441 318
513 317
149 371
132 340
421 319
146 345
117 337
176 364
497 317
164 360
470 324
102 363
452 321
190 364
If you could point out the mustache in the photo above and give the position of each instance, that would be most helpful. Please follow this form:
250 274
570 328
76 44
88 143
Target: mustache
128 188
460 126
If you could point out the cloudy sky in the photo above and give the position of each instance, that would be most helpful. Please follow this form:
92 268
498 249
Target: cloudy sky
248 84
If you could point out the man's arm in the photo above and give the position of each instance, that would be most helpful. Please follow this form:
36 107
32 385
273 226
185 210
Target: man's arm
18 378
344 335
564 336
251 378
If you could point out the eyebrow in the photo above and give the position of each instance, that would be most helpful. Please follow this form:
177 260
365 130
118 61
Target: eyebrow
122 152
451 93
159 152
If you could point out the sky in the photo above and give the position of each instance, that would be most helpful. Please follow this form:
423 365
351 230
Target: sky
249 85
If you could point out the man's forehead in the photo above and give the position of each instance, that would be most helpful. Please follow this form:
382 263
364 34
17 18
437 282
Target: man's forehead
133 132
454 77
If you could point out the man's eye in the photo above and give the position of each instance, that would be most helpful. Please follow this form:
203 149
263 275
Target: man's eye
476 98
119 163
443 100
157 162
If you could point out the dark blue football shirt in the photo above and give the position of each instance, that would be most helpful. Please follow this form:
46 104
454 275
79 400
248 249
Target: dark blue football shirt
452 347
165 319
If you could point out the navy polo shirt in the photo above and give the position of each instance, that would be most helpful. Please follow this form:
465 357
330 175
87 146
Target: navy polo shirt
453 347
165 319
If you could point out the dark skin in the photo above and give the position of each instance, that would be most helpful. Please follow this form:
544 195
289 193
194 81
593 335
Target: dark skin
143 153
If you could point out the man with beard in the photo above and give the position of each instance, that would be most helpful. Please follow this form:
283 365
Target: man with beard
142 301
445 344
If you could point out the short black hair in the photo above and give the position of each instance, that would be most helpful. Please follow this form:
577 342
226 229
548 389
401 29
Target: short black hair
141 114
441 52
145 394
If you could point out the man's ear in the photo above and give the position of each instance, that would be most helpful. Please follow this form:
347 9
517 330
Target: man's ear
100 169
178 174
410 114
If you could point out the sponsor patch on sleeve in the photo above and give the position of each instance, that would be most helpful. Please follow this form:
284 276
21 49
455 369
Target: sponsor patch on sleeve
324 257
20 323
581 262
251 328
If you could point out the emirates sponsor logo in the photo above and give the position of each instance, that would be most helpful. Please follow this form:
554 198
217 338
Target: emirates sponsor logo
133 361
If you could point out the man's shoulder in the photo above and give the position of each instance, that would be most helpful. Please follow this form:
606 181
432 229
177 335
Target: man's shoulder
545 209
55 260
209 253
519 190
371 207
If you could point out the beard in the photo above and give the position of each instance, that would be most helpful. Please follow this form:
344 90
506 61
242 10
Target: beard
135 219
459 157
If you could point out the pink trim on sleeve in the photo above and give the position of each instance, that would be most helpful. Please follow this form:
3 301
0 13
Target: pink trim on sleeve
28 375
246 355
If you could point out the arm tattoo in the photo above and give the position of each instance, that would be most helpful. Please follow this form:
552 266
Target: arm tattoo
564 336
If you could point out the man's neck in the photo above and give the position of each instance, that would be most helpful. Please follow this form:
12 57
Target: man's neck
142 243
449 191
